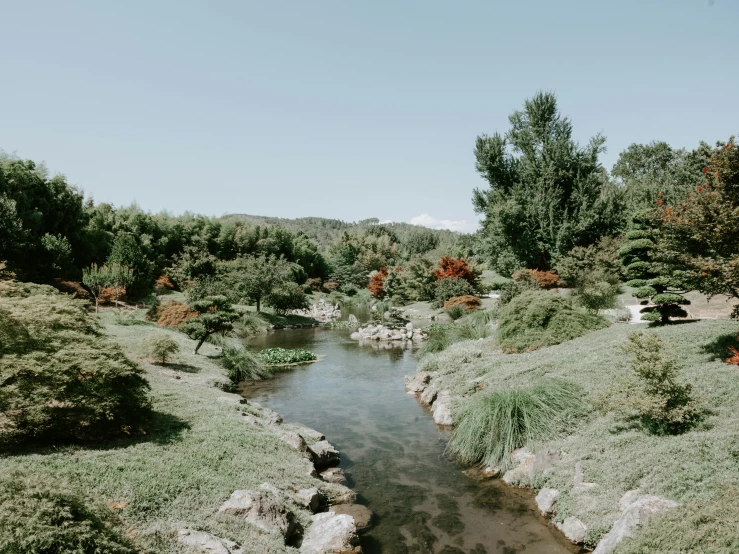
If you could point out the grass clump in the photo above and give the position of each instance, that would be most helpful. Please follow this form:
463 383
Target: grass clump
242 364
250 324
41 518
159 346
282 356
473 326
538 318
654 397
456 311
491 426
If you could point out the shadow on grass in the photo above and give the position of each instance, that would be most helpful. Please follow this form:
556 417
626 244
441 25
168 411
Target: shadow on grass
159 428
718 348
185 368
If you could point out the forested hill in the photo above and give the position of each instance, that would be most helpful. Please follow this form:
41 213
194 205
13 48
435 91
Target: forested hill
325 231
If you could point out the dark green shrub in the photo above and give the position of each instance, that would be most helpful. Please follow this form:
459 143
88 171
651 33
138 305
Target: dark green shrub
42 518
242 364
496 282
539 318
159 346
285 297
491 426
654 397
456 311
59 380
447 288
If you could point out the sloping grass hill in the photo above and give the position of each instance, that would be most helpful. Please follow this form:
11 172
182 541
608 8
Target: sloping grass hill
699 469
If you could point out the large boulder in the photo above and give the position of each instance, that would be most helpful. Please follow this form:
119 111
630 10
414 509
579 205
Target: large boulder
308 433
362 515
207 543
295 441
574 529
330 533
519 475
337 493
428 396
546 500
543 463
325 454
334 475
311 498
263 509
417 382
639 512
442 409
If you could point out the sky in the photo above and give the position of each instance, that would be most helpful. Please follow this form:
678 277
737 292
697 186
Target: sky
341 108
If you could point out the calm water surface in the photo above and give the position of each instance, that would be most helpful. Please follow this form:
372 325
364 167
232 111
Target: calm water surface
393 453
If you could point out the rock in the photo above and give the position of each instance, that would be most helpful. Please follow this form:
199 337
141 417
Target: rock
207 543
334 475
324 454
310 469
637 513
295 441
628 498
270 416
353 319
543 463
409 326
491 472
482 474
339 494
362 515
309 498
330 533
443 408
356 335
308 433
232 399
519 475
253 421
262 509
546 500
573 529
428 396
417 382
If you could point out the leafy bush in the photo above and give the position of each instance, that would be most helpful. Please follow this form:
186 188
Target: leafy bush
159 346
542 279
285 297
163 285
441 337
448 287
455 311
172 314
282 356
654 397
597 295
59 379
468 302
538 318
496 282
314 283
491 426
249 324
734 358
242 364
42 518
215 315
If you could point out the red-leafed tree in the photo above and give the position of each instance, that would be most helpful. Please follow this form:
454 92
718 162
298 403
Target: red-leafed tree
455 268
376 284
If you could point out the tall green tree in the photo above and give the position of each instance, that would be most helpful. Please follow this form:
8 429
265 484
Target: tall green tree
127 252
255 277
546 194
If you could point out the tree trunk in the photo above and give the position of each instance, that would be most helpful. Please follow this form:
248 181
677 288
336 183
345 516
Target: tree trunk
200 343
96 304
258 302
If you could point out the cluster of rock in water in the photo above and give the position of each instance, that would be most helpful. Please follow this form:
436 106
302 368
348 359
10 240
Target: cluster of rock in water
636 509
389 333
321 311
337 520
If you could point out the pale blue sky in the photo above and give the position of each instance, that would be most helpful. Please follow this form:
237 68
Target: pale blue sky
344 108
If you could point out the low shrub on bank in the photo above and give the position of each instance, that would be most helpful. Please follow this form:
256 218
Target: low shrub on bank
42 518
249 324
172 314
282 356
241 364
159 346
59 379
472 327
455 312
538 318
491 426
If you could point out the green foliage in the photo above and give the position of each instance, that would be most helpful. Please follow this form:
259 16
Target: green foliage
192 263
255 277
160 346
654 397
40 517
128 253
538 318
496 282
447 288
547 194
282 356
114 276
249 324
285 297
657 282
442 336
241 364
456 311
415 282
59 380
491 426
216 315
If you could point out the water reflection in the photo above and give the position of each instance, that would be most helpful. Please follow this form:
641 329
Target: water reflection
394 455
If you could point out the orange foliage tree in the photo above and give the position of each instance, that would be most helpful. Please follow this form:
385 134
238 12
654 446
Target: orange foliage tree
456 268
545 279
376 284
734 359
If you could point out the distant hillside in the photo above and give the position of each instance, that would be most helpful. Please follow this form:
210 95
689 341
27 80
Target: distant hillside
324 230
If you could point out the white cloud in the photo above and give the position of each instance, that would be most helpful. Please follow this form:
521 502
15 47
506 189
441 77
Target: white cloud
425 220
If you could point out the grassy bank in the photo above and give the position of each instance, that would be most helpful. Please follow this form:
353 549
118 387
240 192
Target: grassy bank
197 451
699 469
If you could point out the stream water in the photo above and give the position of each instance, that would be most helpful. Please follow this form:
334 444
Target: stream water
393 453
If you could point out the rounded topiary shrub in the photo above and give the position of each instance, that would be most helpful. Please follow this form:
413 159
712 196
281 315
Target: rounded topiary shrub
59 378
468 302
38 517
539 318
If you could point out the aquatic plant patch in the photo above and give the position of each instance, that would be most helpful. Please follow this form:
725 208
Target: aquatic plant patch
283 356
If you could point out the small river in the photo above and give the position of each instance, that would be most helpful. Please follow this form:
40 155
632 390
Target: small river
393 453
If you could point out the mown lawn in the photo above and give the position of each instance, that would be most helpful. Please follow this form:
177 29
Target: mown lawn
699 469
196 452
